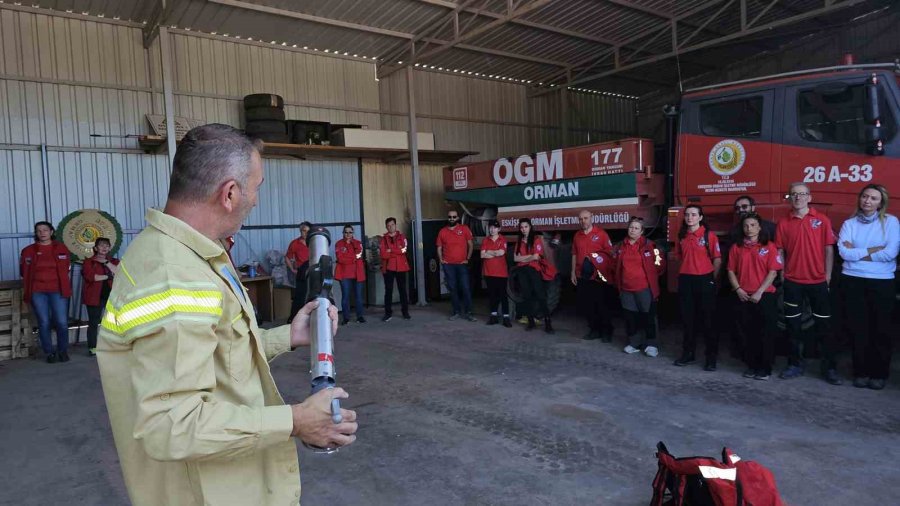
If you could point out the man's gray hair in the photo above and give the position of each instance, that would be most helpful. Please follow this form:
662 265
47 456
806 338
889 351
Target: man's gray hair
208 156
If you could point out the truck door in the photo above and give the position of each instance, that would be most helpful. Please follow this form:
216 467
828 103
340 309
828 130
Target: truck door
825 145
726 148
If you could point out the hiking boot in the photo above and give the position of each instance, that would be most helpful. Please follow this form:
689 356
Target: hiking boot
710 365
454 316
63 356
861 382
386 318
470 317
51 358
591 335
531 324
651 351
876 384
548 326
507 322
793 371
833 378
631 350
361 320
686 358
406 316
750 373
493 320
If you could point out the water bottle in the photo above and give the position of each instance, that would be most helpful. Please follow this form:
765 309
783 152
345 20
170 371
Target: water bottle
251 271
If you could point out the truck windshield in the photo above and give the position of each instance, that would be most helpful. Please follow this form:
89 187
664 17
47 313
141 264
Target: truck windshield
732 118
838 118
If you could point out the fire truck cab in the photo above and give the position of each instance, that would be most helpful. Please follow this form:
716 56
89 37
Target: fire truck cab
833 129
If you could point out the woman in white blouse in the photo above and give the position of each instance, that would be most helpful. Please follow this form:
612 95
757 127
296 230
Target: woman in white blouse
868 244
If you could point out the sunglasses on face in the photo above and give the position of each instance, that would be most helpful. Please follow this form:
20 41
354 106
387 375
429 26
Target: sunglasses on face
452 217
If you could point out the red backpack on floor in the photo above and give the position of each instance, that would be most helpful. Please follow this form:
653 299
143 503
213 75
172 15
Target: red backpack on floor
705 481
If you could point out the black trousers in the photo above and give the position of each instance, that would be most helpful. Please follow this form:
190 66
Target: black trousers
497 294
534 293
636 320
820 304
870 303
697 298
591 305
759 324
95 315
298 298
389 277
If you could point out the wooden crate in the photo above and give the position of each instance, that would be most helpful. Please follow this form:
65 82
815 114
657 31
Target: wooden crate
15 327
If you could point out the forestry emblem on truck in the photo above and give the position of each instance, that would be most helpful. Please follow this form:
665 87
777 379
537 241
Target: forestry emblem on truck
727 157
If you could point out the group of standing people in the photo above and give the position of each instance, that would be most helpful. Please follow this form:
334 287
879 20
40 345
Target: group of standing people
44 266
350 270
799 250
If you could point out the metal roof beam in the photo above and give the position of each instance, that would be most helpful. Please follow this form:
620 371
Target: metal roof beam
523 22
378 31
160 15
834 6
464 36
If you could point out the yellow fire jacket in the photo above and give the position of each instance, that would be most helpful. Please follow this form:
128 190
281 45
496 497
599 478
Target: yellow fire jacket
195 414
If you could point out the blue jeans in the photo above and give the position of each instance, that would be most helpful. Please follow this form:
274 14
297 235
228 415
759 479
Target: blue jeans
457 277
47 304
348 285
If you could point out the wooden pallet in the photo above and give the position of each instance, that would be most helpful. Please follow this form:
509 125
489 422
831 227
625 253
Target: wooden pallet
15 326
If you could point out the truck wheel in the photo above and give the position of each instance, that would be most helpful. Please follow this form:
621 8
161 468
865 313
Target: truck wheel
554 290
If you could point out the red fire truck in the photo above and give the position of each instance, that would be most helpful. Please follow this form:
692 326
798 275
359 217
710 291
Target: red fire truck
834 129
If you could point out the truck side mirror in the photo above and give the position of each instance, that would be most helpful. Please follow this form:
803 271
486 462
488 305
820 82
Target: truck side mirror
874 137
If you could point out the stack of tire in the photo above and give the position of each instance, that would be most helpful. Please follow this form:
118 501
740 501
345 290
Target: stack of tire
264 118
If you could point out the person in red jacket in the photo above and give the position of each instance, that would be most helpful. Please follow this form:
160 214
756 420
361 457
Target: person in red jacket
529 252
351 272
495 272
454 248
591 304
639 264
44 266
394 266
297 261
753 264
698 251
98 272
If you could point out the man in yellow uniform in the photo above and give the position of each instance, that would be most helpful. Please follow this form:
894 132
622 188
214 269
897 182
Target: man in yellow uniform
196 416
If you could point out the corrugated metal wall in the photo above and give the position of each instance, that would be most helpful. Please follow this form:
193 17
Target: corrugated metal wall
873 39
63 79
498 119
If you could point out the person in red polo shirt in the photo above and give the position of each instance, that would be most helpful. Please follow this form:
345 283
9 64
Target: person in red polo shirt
297 260
394 266
753 264
806 242
454 248
529 252
639 264
496 274
698 251
591 304
350 270
98 272
45 271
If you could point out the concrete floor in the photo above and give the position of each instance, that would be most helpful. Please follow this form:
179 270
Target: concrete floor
458 413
